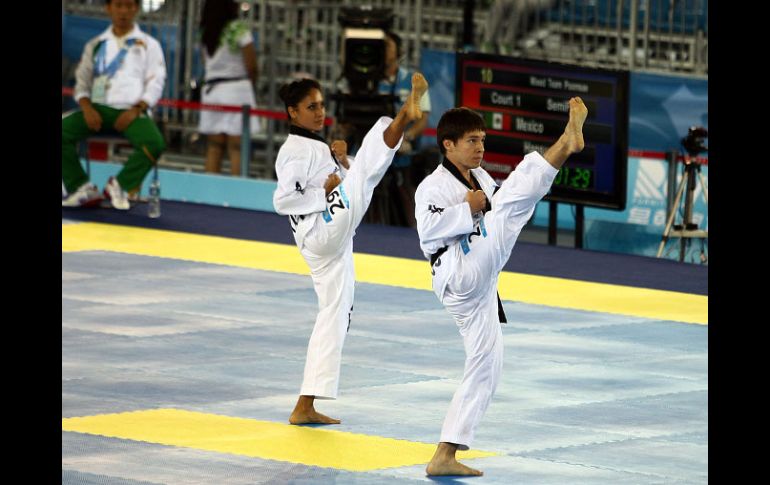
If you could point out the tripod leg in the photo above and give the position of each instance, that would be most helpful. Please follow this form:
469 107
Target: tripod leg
674 208
705 188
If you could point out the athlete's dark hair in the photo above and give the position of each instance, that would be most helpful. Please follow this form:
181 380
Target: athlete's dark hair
455 123
292 93
215 15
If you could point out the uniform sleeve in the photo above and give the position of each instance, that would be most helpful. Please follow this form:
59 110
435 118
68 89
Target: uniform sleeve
437 220
155 76
529 183
343 170
293 196
84 74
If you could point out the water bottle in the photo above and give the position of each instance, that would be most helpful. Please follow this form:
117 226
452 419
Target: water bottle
153 201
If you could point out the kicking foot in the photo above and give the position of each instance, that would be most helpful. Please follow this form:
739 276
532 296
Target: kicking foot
311 416
574 130
412 105
451 467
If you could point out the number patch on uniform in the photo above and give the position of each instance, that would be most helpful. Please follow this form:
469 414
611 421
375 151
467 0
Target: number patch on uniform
338 200
465 242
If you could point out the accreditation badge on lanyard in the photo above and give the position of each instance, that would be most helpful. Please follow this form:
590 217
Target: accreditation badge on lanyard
99 89
103 71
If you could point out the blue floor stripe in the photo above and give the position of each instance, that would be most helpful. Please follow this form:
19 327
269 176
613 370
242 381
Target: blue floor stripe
529 258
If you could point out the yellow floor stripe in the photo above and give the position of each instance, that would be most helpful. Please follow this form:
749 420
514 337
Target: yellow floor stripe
385 270
261 439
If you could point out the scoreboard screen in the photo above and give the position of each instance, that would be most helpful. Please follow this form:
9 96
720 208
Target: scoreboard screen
525 106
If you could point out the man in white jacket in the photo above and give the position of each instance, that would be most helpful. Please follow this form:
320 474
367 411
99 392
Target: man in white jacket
325 196
120 76
468 227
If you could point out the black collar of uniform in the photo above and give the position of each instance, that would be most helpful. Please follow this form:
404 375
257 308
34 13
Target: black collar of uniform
299 131
456 172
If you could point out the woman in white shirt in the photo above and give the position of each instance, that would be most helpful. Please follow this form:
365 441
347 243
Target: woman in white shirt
325 193
230 61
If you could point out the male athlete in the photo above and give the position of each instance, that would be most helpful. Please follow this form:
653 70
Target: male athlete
468 227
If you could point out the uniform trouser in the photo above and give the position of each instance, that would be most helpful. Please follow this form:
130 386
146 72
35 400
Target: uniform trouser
471 293
328 250
142 133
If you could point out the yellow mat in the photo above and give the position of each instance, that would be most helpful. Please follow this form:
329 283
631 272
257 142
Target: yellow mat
261 439
384 270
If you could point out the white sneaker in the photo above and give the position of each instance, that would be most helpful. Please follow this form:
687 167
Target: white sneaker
118 197
87 195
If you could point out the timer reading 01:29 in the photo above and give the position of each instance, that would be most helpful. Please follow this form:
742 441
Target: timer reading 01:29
576 178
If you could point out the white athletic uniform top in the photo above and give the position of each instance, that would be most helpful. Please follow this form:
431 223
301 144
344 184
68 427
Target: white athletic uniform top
140 76
443 216
303 164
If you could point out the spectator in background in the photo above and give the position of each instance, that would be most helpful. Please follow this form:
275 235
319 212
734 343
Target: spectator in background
398 181
230 61
397 82
120 76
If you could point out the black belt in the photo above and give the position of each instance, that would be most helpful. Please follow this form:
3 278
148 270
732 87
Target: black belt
212 82
500 311
435 256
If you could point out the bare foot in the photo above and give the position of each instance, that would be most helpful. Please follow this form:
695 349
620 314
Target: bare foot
412 105
574 129
438 467
311 416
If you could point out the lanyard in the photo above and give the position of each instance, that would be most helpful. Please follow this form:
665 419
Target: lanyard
100 65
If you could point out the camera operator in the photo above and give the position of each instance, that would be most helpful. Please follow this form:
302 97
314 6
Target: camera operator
372 83
399 180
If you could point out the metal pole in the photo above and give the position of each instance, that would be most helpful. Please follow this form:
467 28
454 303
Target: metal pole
272 73
632 34
646 34
619 41
467 39
672 158
245 139
418 32
188 55
579 225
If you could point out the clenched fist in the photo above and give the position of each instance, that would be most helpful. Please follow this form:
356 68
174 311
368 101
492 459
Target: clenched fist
477 200
93 118
340 150
332 181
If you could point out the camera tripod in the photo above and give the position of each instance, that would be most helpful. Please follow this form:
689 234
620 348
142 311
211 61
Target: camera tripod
687 230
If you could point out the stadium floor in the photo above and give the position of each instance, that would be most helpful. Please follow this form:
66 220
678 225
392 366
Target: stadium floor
187 371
